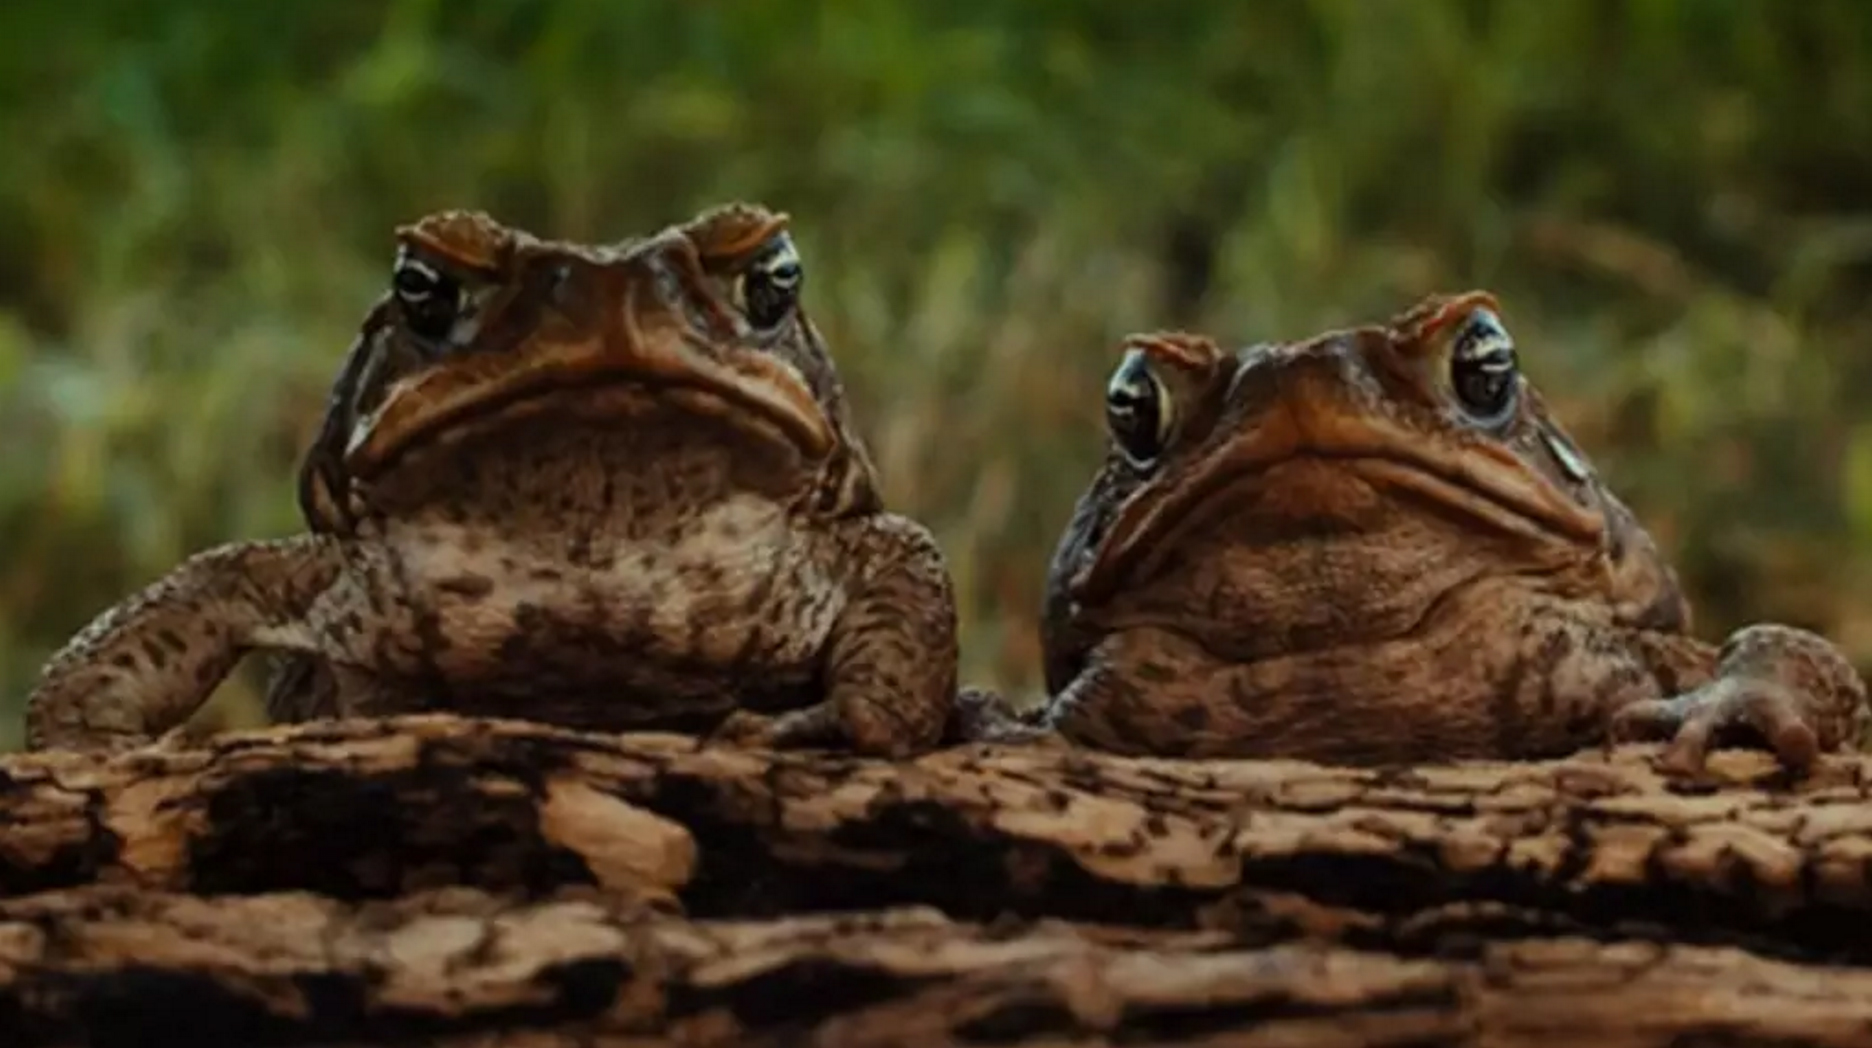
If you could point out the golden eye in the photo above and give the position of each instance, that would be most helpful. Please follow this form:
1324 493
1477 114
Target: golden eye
1139 410
767 290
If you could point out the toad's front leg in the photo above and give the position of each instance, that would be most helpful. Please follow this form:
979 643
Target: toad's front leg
1784 688
890 663
146 664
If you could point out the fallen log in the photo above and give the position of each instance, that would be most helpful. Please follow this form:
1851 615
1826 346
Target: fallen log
1422 859
458 967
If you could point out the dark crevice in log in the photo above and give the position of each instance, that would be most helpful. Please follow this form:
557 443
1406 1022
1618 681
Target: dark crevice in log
1147 1024
792 998
145 1007
369 810
458 968
941 861
69 865
950 863
1396 893
361 837
626 889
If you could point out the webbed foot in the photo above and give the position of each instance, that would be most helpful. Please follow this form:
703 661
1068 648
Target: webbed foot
1776 687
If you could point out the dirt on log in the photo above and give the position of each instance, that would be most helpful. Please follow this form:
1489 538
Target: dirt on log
439 880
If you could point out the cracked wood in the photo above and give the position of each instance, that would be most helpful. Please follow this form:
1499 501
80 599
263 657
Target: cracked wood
373 809
460 967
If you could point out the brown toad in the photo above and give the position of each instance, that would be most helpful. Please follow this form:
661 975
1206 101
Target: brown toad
1376 546
604 487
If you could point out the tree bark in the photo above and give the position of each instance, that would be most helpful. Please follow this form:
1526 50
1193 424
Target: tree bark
440 880
461 967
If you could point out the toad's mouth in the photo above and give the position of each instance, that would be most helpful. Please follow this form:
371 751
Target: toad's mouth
1320 473
478 393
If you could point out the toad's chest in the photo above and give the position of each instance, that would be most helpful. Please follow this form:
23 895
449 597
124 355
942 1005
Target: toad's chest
737 587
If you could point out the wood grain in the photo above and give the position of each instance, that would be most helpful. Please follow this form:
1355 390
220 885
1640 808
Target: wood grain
443 880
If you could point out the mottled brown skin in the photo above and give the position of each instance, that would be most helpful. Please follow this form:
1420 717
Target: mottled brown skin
1376 546
603 487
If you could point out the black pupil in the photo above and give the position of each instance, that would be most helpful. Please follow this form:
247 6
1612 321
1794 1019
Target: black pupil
1484 379
1485 384
412 282
772 292
429 300
1134 421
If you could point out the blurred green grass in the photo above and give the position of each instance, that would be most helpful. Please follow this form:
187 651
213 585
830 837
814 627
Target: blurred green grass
1671 196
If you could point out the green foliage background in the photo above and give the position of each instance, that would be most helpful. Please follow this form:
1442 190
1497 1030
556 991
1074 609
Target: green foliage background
1671 196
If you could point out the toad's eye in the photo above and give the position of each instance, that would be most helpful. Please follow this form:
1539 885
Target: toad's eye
1138 411
430 298
1483 371
768 289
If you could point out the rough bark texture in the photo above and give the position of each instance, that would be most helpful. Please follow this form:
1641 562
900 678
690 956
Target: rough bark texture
433 880
455 966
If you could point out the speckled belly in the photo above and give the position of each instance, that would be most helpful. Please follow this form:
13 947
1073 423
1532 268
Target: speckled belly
731 607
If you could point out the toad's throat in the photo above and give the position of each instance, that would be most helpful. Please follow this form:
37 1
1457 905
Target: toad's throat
768 397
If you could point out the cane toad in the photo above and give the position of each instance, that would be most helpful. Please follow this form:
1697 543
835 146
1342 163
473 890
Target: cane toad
604 487
1376 546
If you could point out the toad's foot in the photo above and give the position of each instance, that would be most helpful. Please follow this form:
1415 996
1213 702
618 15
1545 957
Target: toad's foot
983 715
813 726
1777 687
979 715
143 666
